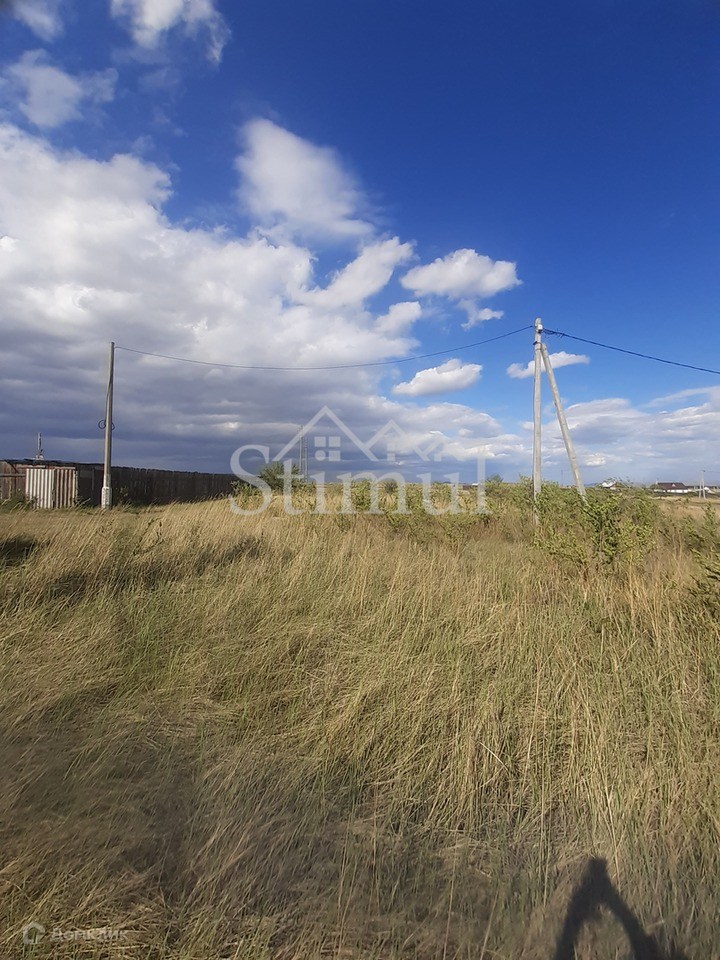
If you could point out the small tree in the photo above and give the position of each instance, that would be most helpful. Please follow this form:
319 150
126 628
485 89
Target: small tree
274 475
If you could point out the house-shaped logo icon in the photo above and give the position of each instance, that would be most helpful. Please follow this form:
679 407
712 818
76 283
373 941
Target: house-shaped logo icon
387 445
392 443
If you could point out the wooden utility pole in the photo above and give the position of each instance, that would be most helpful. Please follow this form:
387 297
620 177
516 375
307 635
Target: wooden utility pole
106 496
537 420
570 449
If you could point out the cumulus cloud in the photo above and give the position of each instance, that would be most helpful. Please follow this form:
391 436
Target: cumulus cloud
399 317
89 256
41 16
520 371
302 188
461 275
364 276
48 96
477 315
150 21
605 421
449 376
684 394
663 445
452 429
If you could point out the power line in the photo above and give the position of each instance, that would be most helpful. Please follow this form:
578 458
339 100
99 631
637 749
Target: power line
423 356
632 353
336 366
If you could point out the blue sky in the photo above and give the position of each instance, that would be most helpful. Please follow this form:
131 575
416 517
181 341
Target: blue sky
278 184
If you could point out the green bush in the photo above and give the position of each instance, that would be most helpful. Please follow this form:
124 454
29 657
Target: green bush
608 528
274 475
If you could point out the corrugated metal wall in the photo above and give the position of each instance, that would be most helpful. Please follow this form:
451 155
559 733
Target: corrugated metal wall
65 492
51 486
39 486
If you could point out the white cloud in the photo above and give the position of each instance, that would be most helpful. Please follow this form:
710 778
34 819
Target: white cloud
477 315
462 274
88 256
399 317
615 419
290 183
684 394
463 433
150 21
49 97
560 359
41 16
449 376
610 432
364 276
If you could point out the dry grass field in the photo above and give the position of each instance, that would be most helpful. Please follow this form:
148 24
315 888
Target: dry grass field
361 737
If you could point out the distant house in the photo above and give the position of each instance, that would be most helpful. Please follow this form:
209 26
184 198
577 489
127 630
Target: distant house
674 487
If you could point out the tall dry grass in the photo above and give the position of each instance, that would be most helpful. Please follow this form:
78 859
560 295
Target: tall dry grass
318 736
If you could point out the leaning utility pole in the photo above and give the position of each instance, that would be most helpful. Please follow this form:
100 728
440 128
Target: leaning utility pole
537 421
106 496
570 449
542 358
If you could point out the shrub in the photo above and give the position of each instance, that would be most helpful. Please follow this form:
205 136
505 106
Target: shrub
274 475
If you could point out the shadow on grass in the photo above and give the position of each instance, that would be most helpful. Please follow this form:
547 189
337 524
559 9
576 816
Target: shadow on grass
133 572
94 812
594 891
13 550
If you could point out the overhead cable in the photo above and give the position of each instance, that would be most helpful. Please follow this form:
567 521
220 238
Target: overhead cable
334 366
632 353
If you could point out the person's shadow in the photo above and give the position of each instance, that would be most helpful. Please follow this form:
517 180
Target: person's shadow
596 890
